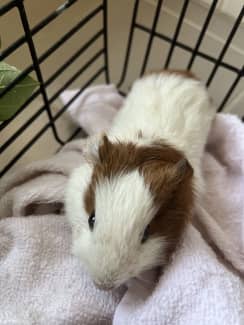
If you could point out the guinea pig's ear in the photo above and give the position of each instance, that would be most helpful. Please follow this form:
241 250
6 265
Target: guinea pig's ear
182 170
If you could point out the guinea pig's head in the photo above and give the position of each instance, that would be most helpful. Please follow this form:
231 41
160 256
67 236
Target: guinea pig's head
128 208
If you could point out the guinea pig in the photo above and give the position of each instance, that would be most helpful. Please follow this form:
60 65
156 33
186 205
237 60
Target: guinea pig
130 202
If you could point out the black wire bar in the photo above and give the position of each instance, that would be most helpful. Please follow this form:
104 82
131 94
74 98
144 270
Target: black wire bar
102 33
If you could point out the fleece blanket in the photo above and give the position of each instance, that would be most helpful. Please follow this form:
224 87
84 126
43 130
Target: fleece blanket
42 283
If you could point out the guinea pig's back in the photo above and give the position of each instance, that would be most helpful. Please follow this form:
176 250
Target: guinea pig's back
168 105
171 106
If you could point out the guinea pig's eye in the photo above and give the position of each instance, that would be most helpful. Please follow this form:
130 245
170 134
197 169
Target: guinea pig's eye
145 235
91 220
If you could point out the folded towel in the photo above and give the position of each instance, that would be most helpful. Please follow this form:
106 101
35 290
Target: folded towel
41 283
194 289
95 108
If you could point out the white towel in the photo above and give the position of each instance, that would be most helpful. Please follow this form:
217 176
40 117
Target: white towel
41 283
95 108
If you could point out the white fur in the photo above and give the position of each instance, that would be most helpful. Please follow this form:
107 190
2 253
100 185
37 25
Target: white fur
169 107
112 252
164 106
74 198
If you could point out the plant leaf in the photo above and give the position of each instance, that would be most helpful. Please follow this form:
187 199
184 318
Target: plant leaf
15 97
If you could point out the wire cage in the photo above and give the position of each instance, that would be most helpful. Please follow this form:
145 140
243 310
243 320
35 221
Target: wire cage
102 61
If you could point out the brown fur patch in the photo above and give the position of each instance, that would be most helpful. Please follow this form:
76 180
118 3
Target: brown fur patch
89 198
164 169
184 73
175 201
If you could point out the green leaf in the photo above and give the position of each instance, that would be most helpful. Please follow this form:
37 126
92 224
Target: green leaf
16 96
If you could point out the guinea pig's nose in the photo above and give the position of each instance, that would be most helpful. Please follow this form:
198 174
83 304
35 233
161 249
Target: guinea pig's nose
105 287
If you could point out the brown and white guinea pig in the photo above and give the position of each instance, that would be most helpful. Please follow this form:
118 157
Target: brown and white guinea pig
129 204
